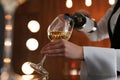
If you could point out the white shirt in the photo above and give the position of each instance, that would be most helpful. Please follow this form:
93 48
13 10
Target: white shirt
101 61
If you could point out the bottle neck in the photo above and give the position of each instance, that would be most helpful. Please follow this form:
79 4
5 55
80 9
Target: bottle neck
79 20
82 22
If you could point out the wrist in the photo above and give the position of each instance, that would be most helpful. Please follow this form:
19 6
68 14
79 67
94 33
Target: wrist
81 54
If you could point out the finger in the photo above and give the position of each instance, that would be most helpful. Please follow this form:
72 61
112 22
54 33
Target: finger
50 44
53 51
53 55
54 42
54 45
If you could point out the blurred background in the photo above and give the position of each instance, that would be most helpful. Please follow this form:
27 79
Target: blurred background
26 23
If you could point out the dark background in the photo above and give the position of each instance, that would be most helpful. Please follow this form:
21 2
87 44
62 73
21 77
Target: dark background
2 26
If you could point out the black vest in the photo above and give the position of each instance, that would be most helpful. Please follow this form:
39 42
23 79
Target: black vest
115 37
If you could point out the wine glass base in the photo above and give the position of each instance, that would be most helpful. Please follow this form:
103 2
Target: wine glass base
39 69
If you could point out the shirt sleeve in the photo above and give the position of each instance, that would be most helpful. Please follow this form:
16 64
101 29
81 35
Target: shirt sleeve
118 59
100 61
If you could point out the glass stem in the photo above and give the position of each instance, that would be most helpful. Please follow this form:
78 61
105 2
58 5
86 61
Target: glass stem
43 60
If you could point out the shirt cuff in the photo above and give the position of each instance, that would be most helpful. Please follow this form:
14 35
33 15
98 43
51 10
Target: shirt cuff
100 61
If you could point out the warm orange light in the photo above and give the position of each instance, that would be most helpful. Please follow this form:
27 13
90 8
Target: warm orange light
69 3
27 77
4 76
7 60
26 69
33 26
32 44
111 2
88 3
7 42
73 72
21 1
8 17
73 64
8 27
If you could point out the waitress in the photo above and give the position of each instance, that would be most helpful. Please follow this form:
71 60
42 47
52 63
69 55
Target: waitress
96 61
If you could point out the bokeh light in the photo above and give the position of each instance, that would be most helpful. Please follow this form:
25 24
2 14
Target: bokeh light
26 69
33 26
32 44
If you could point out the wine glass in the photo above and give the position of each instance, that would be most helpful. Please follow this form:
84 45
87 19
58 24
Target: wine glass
60 28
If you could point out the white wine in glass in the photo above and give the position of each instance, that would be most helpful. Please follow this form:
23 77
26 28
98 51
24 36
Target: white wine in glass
60 28
54 35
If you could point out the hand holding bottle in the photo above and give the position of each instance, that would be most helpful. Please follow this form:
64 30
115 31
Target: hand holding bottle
83 21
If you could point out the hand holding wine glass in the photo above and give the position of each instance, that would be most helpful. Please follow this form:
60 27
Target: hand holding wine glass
60 28
59 36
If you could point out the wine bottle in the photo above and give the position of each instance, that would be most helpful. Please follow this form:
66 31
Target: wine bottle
82 22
